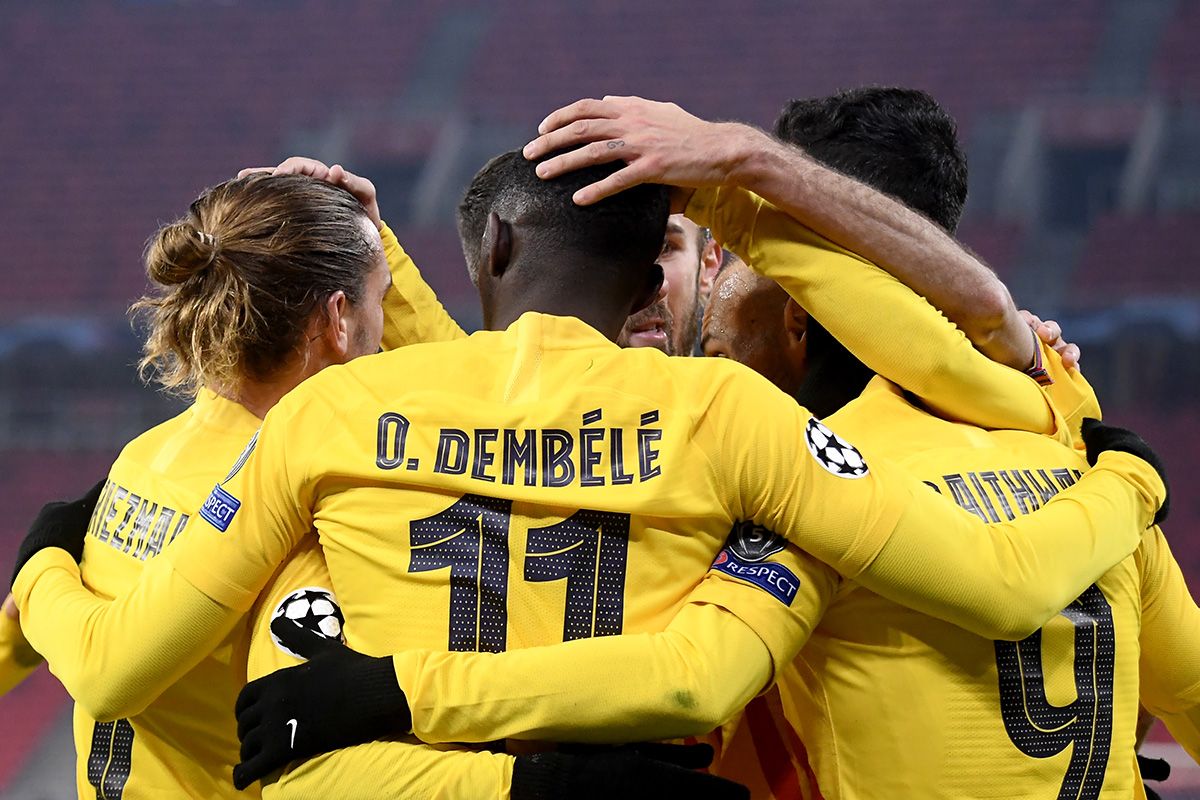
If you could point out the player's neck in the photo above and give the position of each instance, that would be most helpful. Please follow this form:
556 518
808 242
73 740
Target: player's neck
259 397
584 306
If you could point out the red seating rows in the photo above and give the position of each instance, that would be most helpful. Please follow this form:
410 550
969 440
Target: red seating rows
744 61
118 114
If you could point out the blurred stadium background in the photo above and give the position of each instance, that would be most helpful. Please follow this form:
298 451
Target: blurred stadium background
1081 120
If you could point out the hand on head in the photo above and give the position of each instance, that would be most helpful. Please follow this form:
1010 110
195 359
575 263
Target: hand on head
660 143
362 189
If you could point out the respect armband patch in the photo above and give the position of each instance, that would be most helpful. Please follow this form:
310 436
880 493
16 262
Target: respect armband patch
775 579
219 508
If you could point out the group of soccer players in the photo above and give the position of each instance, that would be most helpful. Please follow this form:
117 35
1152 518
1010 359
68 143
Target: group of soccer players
482 566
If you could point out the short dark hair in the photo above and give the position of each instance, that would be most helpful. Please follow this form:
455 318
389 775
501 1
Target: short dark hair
899 141
474 208
626 229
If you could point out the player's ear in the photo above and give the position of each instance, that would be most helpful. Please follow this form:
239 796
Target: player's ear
650 290
496 248
795 321
710 263
333 328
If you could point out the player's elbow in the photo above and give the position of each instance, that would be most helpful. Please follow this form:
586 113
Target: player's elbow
699 708
106 701
713 694
989 321
1020 614
1014 628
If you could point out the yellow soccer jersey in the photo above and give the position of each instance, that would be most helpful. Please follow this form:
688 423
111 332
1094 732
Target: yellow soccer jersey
302 590
345 459
184 742
608 689
411 311
545 415
890 329
891 703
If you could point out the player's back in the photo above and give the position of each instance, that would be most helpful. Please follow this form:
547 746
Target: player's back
517 488
892 703
184 743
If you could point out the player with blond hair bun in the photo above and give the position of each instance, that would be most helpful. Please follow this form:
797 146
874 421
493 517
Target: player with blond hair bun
265 281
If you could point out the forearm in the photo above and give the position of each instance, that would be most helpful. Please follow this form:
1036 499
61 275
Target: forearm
395 770
18 659
411 311
116 657
1004 581
891 330
684 681
886 232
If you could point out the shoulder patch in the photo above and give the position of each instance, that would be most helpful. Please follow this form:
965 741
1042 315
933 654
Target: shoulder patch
753 543
313 608
745 555
834 453
218 510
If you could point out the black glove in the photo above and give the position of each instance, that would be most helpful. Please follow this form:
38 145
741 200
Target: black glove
1153 769
338 698
1099 437
61 524
634 772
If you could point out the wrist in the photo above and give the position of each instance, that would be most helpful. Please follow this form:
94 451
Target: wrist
745 158
382 698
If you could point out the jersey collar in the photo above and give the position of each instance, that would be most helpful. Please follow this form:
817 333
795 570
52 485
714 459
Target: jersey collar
212 409
549 332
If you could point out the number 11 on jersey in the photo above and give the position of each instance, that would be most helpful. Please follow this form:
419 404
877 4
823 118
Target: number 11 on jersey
588 550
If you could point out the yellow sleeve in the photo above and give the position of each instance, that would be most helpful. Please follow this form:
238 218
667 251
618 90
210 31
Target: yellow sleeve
18 659
253 519
397 770
718 652
115 657
1070 393
879 526
896 333
683 681
1170 643
411 311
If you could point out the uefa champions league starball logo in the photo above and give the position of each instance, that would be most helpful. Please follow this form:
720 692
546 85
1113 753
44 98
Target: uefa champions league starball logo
831 452
314 609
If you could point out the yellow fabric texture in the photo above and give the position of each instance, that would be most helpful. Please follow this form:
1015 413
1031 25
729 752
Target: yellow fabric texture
331 455
713 657
506 381
1070 394
730 435
890 329
400 769
178 711
871 662
397 771
411 311
18 659
183 736
1170 641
